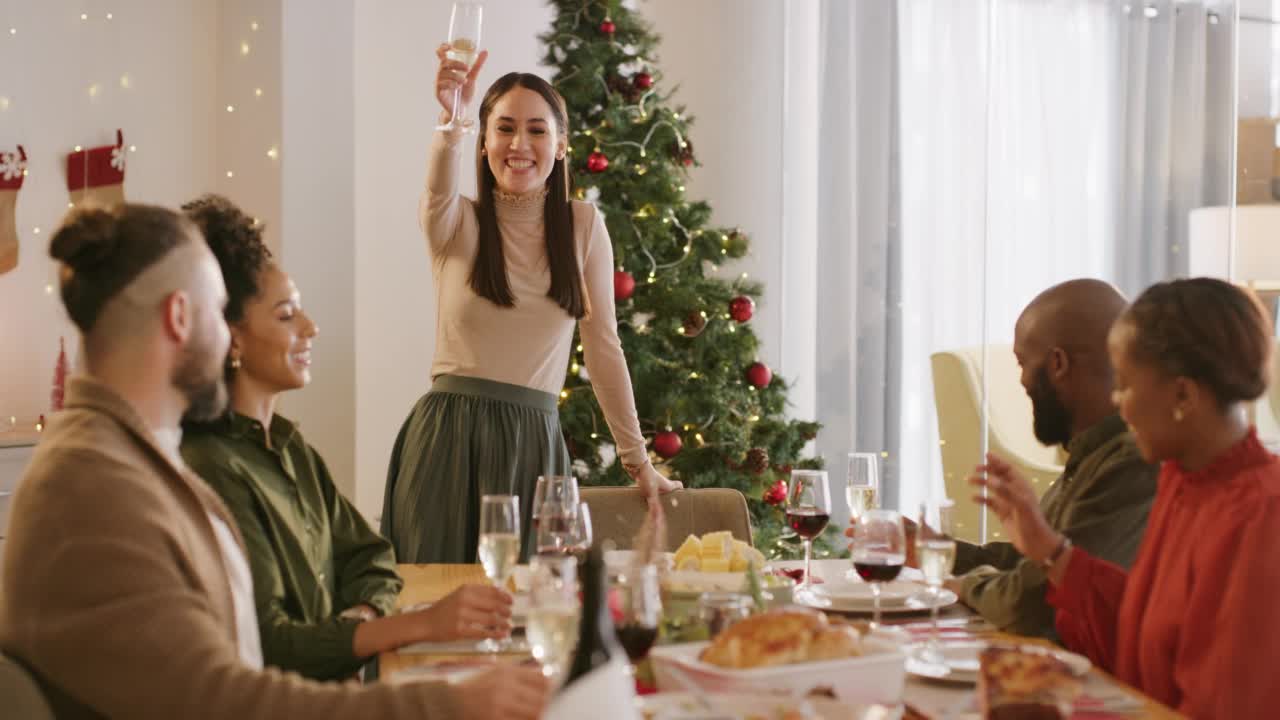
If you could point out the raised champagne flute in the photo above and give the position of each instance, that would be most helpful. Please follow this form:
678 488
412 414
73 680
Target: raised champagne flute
936 552
464 43
499 542
808 512
863 486
554 612
879 550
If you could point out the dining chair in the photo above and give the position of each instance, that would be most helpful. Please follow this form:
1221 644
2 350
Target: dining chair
618 512
20 694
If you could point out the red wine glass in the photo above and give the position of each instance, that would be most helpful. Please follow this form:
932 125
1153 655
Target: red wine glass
879 550
808 511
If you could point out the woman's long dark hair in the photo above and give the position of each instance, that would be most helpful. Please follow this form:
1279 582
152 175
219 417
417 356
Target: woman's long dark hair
489 273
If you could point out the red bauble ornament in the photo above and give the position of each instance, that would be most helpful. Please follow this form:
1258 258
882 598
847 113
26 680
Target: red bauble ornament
742 308
597 162
776 494
623 285
644 81
667 444
608 28
759 375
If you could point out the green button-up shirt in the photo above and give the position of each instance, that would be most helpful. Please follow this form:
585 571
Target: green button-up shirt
1101 502
311 552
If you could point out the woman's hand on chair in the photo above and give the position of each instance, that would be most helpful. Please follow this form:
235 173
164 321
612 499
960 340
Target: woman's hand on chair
649 479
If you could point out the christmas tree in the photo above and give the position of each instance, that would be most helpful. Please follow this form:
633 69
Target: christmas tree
712 410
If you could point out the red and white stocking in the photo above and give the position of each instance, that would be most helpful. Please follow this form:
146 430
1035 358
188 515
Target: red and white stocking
13 168
96 175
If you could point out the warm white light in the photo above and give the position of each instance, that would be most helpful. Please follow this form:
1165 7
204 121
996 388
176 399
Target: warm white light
93 90
71 205
231 108
13 31
133 148
273 153
84 16
77 148
244 48
230 174
254 26
257 92
35 231
4 103
125 82
110 16
48 289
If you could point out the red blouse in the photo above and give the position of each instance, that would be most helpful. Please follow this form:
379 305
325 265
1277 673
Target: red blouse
1196 623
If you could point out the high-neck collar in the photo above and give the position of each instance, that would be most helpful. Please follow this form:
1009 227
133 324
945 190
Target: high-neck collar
1246 453
522 208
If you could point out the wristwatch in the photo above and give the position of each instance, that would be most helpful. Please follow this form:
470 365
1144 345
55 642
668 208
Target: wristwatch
1047 563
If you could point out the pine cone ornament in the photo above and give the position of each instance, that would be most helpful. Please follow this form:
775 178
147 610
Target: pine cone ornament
682 154
694 323
757 460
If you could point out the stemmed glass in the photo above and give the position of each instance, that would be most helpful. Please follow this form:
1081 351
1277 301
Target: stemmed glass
863 486
879 550
499 542
808 511
555 502
936 553
641 611
464 43
580 531
554 611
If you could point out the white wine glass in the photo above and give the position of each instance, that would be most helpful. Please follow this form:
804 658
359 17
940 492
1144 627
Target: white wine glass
862 490
879 550
464 43
808 512
499 542
936 553
554 611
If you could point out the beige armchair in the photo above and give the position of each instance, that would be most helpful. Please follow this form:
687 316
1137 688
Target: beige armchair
20 694
618 512
957 392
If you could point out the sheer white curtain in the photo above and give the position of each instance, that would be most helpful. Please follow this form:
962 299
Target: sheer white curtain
1027 142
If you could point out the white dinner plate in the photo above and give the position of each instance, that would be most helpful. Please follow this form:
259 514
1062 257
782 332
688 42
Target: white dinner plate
959 661
838 569
688 706
921 600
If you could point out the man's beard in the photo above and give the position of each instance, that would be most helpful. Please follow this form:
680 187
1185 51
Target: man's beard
199 378
1051 420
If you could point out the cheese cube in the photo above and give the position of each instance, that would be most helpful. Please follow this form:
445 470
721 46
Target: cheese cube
690 549
715 565
690 562
717 545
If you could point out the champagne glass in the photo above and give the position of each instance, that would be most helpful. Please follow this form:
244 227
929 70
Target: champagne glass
464 43
808 511
936 551
641 611
499 541
554 611
863 485
879 550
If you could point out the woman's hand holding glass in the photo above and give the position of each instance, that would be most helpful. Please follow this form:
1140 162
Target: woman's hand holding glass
456 81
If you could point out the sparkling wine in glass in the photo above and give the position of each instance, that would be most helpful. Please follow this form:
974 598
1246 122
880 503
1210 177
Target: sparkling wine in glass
808 511
641 611
554 611
464 42
879 550
936 552
863 486
499 541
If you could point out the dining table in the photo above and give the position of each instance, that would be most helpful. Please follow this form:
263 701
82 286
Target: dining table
922 698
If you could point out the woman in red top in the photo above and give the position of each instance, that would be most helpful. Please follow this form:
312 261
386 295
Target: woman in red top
1196 622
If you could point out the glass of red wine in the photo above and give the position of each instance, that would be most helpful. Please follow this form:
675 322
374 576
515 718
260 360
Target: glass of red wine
879 550
641 597
808 511
555 509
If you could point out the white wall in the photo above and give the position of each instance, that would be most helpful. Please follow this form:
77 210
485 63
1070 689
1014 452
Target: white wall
166 51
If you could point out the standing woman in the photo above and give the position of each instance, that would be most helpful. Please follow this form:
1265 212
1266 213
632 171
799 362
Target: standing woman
515 270
1193 623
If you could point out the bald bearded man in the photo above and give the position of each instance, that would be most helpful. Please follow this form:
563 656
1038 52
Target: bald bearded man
126 590
1102 499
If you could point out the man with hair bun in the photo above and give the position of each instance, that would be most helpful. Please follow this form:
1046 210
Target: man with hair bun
126 591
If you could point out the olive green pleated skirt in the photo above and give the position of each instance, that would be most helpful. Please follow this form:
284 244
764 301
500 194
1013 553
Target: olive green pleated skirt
465 438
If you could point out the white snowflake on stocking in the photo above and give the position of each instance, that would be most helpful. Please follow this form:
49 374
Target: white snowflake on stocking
11 165
117 158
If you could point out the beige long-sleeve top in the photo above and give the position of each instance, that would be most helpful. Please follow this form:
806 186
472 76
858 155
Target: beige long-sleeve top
116 591
527 344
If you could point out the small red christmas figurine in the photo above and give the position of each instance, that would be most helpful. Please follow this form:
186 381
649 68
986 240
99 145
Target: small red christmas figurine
59 377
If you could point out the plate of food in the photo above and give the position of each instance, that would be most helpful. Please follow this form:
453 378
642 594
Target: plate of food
700 706
960 661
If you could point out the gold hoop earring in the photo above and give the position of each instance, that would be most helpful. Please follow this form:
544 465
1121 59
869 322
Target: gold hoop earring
234 363
1177 415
